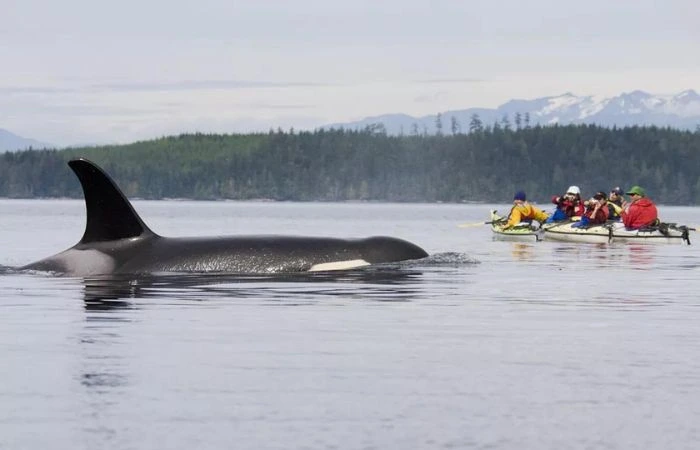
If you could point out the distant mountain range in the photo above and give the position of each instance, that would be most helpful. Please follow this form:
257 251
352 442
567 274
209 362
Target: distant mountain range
12 142
681 111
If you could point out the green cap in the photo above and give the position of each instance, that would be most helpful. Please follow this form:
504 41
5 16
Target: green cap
636 190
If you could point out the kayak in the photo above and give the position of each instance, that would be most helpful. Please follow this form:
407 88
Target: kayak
665 233
524 231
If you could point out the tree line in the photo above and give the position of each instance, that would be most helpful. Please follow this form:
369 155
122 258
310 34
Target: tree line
487 164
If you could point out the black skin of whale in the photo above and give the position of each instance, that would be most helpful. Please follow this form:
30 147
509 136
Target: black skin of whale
116 241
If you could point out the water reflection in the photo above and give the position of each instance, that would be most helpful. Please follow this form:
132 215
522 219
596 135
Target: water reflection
114 304
522 251
634 256
379 284
103 371
641 256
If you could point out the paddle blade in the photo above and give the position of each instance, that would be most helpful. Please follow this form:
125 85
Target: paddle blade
469 225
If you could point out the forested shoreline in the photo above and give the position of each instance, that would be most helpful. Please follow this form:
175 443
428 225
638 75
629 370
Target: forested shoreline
486 165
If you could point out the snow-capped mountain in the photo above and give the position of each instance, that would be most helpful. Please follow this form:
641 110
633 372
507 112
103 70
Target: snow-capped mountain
12 142
680 111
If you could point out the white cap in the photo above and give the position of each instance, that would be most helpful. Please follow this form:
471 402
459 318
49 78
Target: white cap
573 190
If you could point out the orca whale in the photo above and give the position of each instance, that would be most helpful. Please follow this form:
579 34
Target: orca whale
117 241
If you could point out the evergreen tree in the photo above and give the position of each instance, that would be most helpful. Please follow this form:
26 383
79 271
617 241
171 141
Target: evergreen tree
505 122
455 126
475 124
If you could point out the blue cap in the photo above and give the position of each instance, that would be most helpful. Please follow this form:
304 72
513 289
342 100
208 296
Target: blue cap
520 195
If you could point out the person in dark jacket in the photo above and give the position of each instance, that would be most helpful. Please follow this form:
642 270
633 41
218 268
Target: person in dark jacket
615 203
640 211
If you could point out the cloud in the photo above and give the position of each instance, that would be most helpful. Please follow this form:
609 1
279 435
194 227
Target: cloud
185 85
452 80
189 85
432 97
42 110
36 90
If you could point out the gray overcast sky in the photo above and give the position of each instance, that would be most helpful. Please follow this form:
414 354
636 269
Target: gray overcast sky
86 71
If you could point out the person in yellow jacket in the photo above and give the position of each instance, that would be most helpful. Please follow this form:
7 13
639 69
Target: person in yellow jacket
522 211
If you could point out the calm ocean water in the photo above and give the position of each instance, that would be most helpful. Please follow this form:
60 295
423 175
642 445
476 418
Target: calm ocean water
485 344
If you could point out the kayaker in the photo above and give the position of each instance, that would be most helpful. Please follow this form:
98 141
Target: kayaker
596 211
568 205
522 211
615 203
640 211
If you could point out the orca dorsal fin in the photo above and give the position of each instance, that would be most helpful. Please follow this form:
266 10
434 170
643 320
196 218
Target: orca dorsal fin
110 215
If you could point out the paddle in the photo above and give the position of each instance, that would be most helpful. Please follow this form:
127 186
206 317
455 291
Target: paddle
488 222
477 224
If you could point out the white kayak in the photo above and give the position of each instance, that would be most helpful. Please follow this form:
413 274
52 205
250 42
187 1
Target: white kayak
665 233
523 231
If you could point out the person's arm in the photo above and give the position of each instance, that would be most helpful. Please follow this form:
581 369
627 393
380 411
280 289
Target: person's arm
629 216
600 214
592 213
513 218
540 215
614 208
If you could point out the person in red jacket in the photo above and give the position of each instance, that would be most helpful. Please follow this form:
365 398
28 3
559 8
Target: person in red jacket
640 212
596 211
568 205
